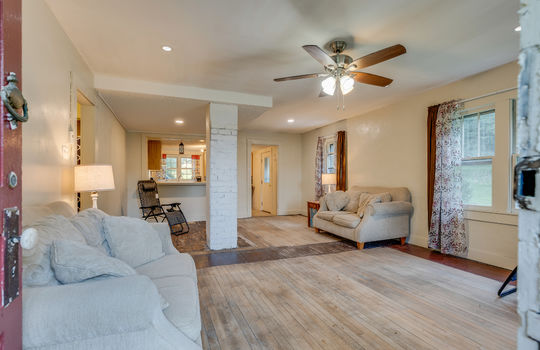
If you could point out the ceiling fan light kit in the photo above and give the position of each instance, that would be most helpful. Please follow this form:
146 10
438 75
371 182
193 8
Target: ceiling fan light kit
342 68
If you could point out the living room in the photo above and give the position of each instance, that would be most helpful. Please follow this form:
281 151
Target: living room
190 97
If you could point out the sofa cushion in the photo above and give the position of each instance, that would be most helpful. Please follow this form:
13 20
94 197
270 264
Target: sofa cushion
74 262
368 198
328 215
336 200
346 220
169 266
132 240
90 223
37 262
183 297
352 206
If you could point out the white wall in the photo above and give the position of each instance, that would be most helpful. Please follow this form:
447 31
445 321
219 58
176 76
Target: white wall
52 72
388 147
289 178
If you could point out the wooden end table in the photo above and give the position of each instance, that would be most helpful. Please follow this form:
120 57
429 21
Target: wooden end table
312 208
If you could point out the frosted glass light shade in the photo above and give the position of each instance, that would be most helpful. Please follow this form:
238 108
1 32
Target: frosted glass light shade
329 179
347 84
329 85
90 178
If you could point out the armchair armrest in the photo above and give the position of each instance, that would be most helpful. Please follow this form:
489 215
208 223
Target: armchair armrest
68 313
164 232
390 208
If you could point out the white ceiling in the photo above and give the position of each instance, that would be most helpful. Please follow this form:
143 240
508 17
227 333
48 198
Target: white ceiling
241 45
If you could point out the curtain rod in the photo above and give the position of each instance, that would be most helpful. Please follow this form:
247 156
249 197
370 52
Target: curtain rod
487 95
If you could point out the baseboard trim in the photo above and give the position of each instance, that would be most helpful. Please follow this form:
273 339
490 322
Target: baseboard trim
289 212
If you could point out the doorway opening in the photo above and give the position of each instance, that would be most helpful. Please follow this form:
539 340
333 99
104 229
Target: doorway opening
264 170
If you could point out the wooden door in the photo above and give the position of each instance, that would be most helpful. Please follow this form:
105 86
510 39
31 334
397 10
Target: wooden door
267 180
257 181
10 182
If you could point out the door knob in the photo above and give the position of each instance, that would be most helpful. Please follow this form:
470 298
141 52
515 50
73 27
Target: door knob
14 101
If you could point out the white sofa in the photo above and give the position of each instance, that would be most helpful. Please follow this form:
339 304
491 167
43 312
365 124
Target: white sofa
380 221
116 313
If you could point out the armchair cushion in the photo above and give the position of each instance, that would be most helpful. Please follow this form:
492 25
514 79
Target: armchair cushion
336 200
132 240
347 220
328 215
74 262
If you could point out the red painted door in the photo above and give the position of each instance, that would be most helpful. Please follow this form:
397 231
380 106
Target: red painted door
10 182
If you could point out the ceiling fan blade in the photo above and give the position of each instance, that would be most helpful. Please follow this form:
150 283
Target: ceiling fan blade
302 76
323 94
318 54
371 79
377 57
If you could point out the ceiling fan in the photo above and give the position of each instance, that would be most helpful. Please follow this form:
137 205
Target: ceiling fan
343 69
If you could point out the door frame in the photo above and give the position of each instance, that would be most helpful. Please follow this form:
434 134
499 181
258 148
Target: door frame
262 142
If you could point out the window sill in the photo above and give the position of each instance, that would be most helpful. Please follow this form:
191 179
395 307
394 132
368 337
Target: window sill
491 216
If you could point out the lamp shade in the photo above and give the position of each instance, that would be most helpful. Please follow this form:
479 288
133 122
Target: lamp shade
329 179
90 178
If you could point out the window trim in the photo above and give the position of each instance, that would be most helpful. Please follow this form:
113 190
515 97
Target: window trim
327 141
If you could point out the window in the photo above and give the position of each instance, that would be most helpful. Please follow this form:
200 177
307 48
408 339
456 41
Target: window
514 155
330 155
266 170
478 149
170 167
186 168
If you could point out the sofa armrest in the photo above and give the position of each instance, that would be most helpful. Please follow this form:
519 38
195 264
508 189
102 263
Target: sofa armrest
164 232
68 313
322 204
390 208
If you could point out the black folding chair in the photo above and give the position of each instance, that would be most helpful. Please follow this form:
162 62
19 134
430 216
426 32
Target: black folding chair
510 278
152 209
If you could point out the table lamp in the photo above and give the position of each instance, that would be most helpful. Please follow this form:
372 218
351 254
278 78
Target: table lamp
94 178
329 179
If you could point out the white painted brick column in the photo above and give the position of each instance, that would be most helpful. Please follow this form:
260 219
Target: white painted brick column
529 145
221 176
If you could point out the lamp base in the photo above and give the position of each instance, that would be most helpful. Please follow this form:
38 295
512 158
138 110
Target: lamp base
94 196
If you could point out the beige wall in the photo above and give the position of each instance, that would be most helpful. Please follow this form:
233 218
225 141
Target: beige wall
52 72
388 147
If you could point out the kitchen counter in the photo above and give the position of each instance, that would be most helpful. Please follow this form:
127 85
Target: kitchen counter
180 183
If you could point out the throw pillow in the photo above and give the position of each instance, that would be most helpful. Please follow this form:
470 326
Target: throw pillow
336 201
132 240
90 223
37 262
366 199
352 206
75 262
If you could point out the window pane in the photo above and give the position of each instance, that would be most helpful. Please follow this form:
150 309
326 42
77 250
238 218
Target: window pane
266 170
476 186
487 134
470 136
331 148
331 164
170 174
171 162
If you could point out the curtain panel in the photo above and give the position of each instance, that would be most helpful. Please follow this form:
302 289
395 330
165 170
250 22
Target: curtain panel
341 162
431 147
319 168
447 227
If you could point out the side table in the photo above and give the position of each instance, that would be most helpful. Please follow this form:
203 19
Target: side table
312 208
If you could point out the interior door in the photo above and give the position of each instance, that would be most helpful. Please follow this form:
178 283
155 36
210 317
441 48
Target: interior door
10 171
267 181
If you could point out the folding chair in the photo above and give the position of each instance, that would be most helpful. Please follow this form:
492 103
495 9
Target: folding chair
152 209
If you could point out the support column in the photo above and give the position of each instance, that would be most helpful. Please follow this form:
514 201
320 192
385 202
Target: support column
221 176
529 145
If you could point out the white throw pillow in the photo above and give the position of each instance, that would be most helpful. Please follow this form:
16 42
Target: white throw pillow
352 206
336 201
90 223
75 262
132 240
371 198
37 262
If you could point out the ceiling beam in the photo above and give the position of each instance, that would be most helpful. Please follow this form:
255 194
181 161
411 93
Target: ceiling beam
111 83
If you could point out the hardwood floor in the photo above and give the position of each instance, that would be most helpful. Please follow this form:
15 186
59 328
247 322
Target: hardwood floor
377 298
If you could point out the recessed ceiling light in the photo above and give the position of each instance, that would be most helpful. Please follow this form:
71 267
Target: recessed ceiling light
517 29
179 121
290 121
166 48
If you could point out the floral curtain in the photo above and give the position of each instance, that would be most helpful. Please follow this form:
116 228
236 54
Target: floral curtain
319 168
447 227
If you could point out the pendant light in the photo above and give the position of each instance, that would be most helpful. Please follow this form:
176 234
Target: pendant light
181 147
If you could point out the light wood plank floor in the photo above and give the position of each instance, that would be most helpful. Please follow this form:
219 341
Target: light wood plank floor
377 298
281 231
